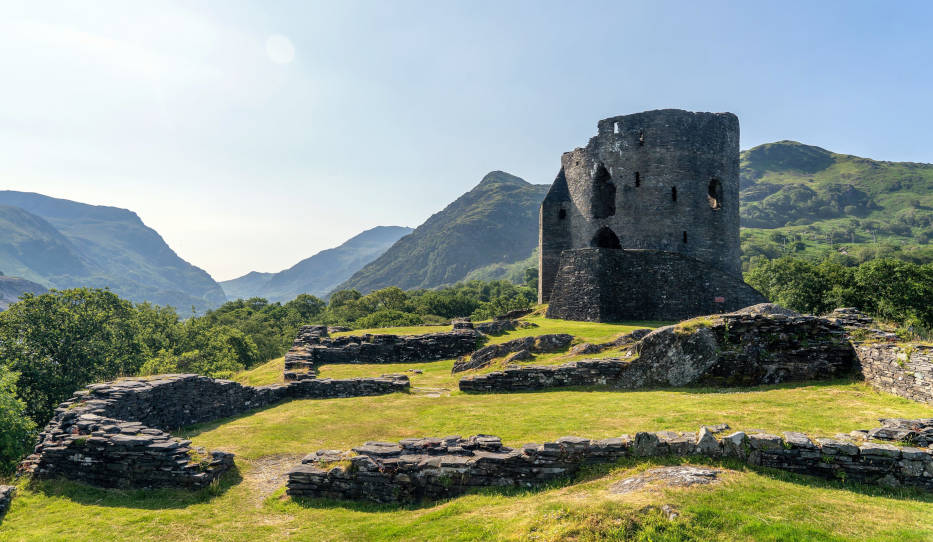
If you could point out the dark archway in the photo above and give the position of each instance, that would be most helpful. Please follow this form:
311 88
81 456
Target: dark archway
604 193
605 238
714 194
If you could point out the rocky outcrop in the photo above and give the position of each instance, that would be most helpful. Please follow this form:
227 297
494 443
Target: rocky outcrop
6 497
738 349
541 343
313 346
902 369
438 468
116 434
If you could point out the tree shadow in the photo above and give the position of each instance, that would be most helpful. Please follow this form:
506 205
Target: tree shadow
143 499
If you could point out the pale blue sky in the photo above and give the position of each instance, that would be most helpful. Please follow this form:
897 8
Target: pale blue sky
246 156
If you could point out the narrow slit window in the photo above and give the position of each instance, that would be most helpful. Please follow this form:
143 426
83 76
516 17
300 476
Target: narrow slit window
714 194
637 179
641 138
673 193
685 237
562 214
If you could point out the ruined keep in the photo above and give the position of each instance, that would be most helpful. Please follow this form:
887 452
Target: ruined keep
643 222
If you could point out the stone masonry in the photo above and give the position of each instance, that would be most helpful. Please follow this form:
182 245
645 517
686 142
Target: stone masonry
116 434
313 346
438 468
664 181
6 497
738 349
542 343
902 369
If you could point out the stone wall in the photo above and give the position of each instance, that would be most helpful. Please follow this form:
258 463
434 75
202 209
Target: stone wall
115 434
437 468
6 497
610 285
542 343
665 180
313 347
738 349
902 369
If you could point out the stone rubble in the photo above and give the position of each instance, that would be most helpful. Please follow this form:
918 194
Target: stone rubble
313 346
115 434
542 343
740 349
438 468
917 432
6 497
905 370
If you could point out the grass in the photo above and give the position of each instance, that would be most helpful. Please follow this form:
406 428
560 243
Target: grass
748 505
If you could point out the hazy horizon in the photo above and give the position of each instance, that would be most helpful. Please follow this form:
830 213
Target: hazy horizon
251 136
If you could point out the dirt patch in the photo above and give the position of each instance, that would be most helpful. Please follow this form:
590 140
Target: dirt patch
266 474
681 476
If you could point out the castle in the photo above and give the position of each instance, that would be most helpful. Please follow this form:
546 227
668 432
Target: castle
643 222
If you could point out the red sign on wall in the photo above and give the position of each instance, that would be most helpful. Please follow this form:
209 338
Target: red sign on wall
719 299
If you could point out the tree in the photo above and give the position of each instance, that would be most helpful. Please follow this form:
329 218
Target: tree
17 431
62 340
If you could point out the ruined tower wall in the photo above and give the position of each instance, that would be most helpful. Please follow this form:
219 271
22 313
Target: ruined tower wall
645 181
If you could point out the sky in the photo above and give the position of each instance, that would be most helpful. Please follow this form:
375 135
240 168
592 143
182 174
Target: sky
251 135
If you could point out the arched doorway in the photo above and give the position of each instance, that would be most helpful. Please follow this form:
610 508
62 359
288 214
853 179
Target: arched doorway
605 238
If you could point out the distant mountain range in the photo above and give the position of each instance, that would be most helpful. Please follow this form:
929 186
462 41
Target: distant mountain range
319 274
794 198
13 287
63 244
494 223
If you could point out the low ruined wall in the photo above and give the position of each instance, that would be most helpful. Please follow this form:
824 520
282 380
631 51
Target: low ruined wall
729 350
313 347
542 343
115 434
901 369
591 372
6 497
435 468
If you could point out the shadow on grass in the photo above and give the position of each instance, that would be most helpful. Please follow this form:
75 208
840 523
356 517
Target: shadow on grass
685 390
594 471
144 499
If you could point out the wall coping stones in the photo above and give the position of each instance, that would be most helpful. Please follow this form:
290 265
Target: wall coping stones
433 468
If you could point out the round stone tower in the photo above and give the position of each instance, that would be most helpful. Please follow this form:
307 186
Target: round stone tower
665 180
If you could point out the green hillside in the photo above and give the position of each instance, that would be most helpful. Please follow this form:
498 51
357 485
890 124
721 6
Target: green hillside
803 199
320 273
63 244
494 223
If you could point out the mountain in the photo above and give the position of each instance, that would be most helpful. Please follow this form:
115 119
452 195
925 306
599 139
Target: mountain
320 273
63 244
13 287
802 198
494 223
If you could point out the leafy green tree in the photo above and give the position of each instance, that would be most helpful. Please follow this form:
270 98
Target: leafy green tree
17 431
62 340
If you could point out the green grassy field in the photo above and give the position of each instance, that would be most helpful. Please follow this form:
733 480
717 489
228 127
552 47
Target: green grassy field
749 505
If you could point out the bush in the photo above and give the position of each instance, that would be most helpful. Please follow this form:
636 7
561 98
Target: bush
17 431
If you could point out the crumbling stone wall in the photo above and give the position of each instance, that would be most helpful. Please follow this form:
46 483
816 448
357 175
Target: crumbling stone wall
902 369
664 180
115 434
552 342
738 349
313 346
437 468
6 497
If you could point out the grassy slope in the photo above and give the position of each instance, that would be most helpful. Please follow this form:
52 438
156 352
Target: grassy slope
750 505
899 209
